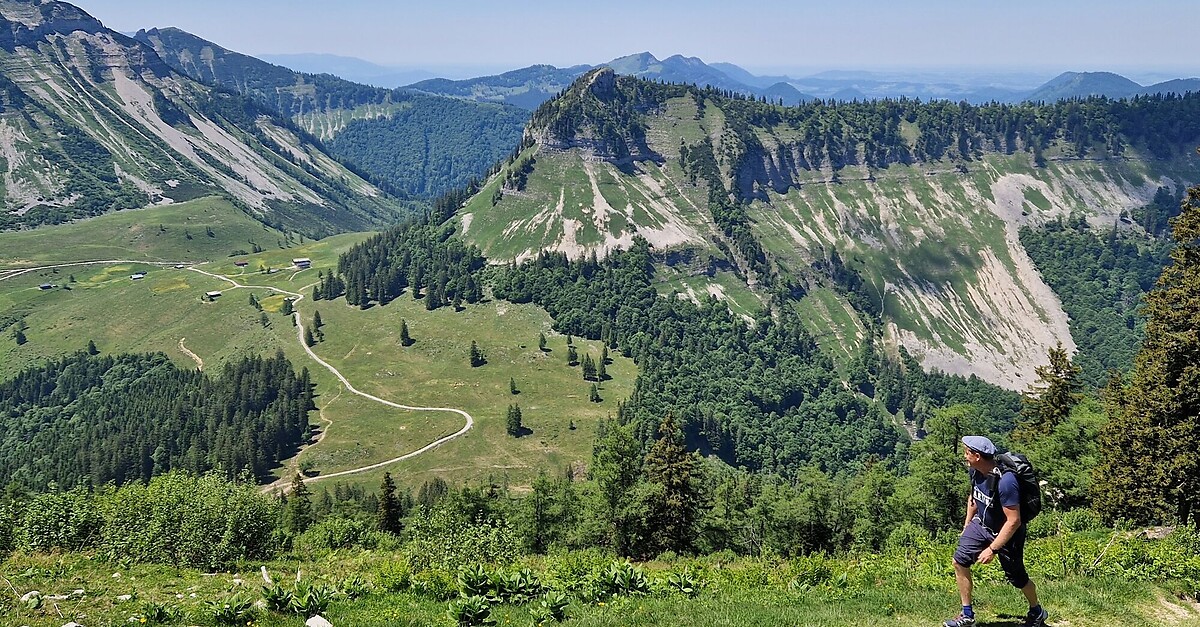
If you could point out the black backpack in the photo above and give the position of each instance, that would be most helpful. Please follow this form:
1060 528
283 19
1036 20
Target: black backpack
1027 483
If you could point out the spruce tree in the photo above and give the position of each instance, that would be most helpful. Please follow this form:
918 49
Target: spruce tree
512 386
91 348
594 394
679 506
542 342
512 421
589 368
572 355
1051 398
1149 471
477 358
389 509
298 510
405 338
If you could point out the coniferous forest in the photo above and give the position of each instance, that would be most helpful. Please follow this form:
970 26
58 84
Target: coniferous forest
141 416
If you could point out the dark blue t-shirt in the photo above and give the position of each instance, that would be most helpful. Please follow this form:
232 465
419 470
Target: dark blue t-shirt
981 490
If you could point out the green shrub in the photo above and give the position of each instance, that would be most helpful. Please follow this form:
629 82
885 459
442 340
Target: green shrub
441 539
395 576
277 597
552 607
61 520
8 520
907 536
1081 519
159 613
235 610
335 532
435 584
620 578
471 611
310 599
354 587
201 522
570 570
809 570
684 582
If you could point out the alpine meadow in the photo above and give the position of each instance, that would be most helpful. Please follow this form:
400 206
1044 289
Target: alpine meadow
646 342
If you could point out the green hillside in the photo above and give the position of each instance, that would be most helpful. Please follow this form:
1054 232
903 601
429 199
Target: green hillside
95 121
908 212
415 145
166 312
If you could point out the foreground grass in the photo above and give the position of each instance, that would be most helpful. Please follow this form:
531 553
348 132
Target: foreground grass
740 593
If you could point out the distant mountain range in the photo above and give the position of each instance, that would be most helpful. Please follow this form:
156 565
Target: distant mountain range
529 87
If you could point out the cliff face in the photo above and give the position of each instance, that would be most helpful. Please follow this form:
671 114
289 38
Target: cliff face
929 245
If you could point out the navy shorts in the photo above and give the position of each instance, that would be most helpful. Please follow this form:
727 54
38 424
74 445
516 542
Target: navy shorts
975 538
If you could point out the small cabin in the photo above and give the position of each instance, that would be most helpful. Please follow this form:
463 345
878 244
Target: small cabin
211 295
241 264
302 262
45 286
138 276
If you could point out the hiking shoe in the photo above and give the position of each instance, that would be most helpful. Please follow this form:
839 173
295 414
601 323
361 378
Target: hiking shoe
962 620
1036 618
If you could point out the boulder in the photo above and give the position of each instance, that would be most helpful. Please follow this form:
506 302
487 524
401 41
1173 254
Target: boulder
317 621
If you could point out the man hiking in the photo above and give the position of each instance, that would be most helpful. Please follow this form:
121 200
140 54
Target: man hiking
993 529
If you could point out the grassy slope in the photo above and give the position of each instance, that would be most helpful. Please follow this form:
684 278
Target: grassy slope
738 595
153 314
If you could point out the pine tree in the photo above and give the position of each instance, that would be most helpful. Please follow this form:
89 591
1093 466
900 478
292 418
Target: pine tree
542 342
477 357
572 355
594 394
19 337
1051 398
91 348
389 509
1149 470
405 338
512 386
309 340
512 421
677 511
254 303
286 309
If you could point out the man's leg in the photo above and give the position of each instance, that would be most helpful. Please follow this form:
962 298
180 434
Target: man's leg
1030 592
962 575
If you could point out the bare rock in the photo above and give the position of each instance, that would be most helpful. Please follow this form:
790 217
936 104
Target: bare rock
317 621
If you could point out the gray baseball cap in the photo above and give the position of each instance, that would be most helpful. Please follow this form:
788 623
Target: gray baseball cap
979 444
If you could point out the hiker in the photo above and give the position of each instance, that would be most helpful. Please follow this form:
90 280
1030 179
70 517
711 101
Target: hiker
993 529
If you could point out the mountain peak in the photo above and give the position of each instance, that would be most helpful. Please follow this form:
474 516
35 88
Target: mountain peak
24 22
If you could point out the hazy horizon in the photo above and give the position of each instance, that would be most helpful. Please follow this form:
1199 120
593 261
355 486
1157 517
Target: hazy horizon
766 37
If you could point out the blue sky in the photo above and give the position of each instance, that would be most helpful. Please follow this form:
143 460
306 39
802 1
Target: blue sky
1147 36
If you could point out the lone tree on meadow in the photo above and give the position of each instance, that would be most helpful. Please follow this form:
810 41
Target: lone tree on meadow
542 342
405 338
572 355
512 421
589 368
477 357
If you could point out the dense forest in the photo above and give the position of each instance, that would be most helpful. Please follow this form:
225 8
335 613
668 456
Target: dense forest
871 133
427 148
761 396
427 261
1100 277
141 416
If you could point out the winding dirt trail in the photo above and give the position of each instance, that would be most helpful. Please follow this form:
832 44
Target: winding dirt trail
194 356
469 421
282 483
